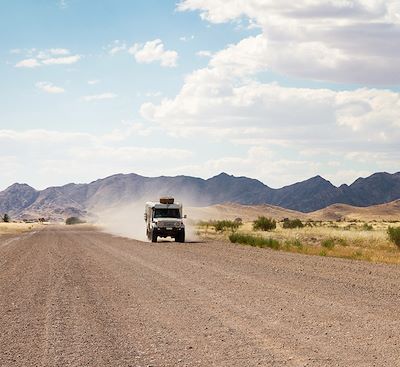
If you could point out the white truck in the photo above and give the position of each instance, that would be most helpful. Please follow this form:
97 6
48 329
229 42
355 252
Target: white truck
164 219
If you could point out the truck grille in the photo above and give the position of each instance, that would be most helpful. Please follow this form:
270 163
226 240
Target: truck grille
166 224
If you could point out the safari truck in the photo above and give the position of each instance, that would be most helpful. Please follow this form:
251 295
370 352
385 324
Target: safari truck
164 219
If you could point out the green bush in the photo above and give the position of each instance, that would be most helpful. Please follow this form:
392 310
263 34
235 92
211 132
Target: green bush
74 220
292 223
221 225
328 243
255 241
264 224
367 227
394 235
295 243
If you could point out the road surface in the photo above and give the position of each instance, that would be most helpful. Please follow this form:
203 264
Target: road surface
78 297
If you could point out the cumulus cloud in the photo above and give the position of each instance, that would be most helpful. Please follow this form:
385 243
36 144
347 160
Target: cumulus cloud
49 88
153 51
340 41
96 97
224 102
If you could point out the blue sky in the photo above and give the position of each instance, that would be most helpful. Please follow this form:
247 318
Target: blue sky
275 92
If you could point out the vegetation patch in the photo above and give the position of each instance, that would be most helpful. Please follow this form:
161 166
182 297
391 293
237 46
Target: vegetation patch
348 240
367 227
294 243
329 243
292 223
221 225
394 235
264 224
255 241
74 220
5 218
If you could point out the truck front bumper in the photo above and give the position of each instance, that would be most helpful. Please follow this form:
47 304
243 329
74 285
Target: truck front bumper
167 232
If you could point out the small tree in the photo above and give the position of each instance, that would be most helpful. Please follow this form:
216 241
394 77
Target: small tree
73 220
6 218
294 223
394 235
264 224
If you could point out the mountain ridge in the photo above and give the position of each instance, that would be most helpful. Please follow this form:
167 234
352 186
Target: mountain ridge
21 200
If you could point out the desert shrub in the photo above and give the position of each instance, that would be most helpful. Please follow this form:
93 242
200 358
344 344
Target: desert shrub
73 220
329 243
341 241
221 225
255 241
6 218
394 235
293 223
367 227
295 243
264 224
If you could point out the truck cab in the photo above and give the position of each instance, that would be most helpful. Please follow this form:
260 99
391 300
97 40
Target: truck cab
164 219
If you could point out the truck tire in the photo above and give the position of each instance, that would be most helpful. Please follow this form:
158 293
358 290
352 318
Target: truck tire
153 237
180 237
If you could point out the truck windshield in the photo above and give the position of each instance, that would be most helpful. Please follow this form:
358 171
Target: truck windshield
167 213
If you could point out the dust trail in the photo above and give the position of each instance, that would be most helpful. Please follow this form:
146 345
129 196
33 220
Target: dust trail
128 221
123 220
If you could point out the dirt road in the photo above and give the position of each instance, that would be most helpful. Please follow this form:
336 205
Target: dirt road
77 297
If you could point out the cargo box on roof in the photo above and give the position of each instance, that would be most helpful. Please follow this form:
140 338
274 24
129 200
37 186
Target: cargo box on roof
166 200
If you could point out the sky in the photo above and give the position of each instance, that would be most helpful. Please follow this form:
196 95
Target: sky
280 91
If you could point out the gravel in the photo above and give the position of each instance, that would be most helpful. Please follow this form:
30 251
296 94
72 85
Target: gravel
77 297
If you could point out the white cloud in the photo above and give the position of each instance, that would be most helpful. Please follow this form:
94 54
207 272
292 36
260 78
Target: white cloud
224 103
340 41
153 51
66 60
186 38
59 51
53 56
96 97
204 53
57 157
49 88
27 63
116 47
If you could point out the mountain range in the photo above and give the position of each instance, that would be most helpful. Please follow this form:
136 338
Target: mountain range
23 201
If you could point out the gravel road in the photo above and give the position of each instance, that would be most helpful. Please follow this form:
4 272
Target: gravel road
78 297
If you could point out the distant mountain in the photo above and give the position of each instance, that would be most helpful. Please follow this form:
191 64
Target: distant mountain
21 200
16 198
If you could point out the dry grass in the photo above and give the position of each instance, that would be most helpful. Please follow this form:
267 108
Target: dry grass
16 228
343 239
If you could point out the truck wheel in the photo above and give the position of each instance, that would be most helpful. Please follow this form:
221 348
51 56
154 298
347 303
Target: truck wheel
180 237
153 237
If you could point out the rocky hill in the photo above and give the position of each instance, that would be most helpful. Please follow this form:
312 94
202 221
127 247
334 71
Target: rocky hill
21 200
